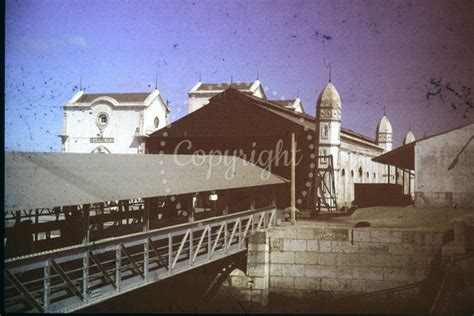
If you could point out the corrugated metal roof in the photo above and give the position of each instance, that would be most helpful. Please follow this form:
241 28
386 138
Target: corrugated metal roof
41 180
120 97
402 157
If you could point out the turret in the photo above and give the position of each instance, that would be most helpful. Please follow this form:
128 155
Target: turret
409 138
384 134
328 123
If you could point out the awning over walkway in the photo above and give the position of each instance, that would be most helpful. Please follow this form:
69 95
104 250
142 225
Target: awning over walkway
402 157
45 180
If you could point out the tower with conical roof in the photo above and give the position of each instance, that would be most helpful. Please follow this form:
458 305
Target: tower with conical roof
328 123
409 138
328 145
384 133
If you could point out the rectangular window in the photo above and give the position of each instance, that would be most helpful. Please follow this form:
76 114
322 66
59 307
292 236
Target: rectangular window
324 131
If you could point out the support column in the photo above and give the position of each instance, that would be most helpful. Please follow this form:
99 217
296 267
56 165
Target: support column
85 223
293 176
258 268
146 214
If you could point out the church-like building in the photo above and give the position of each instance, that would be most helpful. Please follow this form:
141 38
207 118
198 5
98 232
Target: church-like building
115 123
238 122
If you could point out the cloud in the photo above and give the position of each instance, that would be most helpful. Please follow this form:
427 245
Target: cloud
30 43
77 41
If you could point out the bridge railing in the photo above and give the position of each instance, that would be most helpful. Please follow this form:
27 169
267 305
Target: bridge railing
68 279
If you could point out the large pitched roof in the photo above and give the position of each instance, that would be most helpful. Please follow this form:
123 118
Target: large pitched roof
44 180
120 97
302 119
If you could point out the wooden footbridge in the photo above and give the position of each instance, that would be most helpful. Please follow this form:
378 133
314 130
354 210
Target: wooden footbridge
102 261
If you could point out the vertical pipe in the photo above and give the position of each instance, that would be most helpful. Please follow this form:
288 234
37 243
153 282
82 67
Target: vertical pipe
209 248
252 203
101 220
85 223
118 266
191 238
146 215
46 286
85 275
146 258
225 236
240 233
274 197
127 210
293 176
170 252
226 204
192 210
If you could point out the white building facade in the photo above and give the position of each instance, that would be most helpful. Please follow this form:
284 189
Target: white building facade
200 94
351 152
115 123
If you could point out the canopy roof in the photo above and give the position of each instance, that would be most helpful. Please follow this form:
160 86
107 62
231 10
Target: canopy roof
45 180
402 157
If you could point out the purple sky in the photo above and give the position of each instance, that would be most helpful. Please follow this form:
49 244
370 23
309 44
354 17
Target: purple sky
383 53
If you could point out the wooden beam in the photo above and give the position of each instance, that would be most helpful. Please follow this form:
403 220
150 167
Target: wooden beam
85 223
161 260
101 268
134 265
293 179
66 279
23 291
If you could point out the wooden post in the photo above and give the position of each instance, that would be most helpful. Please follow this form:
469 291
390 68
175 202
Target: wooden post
85 223
274 196
146 214
252 203
293 176
127 210
100 219
226 204
192 209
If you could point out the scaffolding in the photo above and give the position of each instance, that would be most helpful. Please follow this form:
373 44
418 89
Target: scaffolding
324 185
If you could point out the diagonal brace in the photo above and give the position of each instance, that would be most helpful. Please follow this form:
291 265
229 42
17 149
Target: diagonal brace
160 258
135 267
26 294
101 268
66 279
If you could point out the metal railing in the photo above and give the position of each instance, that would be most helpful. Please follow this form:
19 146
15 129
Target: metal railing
68 279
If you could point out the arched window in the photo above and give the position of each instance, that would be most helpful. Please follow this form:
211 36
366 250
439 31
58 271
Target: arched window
367 174
352 173
375 175
343 173
360 172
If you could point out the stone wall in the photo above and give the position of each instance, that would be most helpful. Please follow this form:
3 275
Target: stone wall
356 260
306 261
